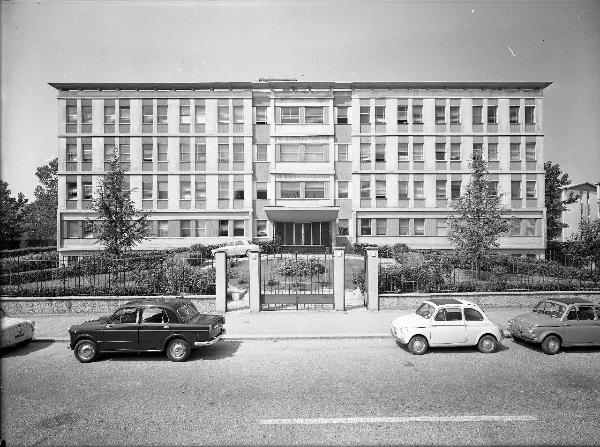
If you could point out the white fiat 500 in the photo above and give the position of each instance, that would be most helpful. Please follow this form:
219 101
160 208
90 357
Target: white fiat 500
14 331
446 322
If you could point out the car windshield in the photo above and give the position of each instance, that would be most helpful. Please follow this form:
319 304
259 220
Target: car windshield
425 310
187 312
549 308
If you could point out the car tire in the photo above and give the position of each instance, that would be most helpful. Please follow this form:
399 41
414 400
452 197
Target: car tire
418 345
86 351
487 344
551 345
178 350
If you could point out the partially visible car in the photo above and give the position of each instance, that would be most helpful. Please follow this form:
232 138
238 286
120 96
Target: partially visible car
15 331
446 322
558 322
173 326
237 248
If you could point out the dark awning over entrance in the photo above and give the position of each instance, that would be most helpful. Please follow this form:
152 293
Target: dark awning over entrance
302 214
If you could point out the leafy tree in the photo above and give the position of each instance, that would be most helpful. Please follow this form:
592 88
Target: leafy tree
120 226
477 221
585 246
40 216
555 180
11 217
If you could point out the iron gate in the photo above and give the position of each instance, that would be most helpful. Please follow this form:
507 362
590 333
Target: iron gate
294 281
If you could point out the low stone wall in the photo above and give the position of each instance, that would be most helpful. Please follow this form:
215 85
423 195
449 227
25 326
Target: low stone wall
86 304
388 301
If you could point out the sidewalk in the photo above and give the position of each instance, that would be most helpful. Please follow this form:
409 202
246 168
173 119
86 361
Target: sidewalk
288 324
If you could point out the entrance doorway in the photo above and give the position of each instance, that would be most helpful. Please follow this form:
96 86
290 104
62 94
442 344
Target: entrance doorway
304 233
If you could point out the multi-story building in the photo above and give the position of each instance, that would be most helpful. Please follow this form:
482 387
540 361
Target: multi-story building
316 163
585 210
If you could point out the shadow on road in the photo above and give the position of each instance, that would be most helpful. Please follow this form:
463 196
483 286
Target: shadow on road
219 351
21 350
454 350
537 347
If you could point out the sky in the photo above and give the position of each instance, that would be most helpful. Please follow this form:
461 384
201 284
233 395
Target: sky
202 41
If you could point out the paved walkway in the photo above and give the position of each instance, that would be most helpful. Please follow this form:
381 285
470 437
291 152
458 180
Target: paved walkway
286 324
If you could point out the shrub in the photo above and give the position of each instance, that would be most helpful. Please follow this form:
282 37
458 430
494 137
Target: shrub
360 249
268 246
203 251
18 252
299 267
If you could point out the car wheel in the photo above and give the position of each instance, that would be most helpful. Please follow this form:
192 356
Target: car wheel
487 344
551 345
418 345
86 351
178 350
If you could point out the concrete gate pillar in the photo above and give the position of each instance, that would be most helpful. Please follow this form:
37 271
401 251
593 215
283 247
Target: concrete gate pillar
254 283
372 278
339 266
221 281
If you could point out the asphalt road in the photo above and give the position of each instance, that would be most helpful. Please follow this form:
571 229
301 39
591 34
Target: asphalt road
302 392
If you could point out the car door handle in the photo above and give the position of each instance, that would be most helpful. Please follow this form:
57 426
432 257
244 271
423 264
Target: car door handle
165 327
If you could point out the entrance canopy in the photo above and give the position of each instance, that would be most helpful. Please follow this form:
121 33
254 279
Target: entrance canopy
302 214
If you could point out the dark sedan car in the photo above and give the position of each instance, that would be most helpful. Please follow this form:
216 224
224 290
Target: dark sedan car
559 322
146 325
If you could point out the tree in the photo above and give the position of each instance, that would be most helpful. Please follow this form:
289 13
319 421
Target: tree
40 215
11 217
477 221
120 226
555 180
584 247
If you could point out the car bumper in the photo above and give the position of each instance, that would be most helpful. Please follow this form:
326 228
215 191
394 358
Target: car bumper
210 342
397 335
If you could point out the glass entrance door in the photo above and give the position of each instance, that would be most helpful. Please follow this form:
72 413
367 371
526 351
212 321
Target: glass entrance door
303 233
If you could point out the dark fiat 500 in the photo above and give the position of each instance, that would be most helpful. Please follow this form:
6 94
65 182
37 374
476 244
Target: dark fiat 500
559 322
174 326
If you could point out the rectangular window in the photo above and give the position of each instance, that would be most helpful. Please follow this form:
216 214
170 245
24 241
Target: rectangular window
440 114
492 151
417 114
440 151
440 189
379 114
342 190
184 152
290 115
163 187
124 114
454 151
365 227
261 190
185 228
124 150
365 153
530 227
515 227
530 189
403 189
238 114
313 115
86 186
162 114
163 228
402 151
261 114
402 114
200 151
314 152
86 151
418 189
73 227
200 228
419 227
514 114
261 228
455 189
109 151
238 187
261 152
163 151
147 187
403 227
515 190
238 228
493 187
441 227
529 114
185 188
314 190
71 153
380 152
238 152
289 152
147 113
147 152
342 227
290 190
477 115
223 152
200 187
380 227
184 115
380 192
515 152
223 228
365 189
72 114
492 114
342 150
477 151
109 114
530 152
417 151
223 191
342 115
454 114
200 113
86 113
223 114
365 115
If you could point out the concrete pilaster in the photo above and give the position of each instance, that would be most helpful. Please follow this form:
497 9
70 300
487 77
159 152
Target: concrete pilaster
221 281
339 265
254 274
372 278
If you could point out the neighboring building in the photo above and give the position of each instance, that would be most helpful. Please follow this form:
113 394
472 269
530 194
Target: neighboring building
317 163
584 210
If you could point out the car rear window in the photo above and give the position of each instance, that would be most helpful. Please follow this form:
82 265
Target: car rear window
187 311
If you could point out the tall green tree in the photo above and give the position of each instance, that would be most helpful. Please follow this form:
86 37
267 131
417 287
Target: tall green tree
119 225
40 215
11 217
555 180
584 247
478 219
